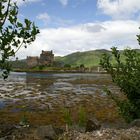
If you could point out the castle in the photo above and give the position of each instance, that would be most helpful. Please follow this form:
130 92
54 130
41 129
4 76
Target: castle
46 59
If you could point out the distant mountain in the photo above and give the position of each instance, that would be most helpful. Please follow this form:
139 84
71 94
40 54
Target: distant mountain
88 58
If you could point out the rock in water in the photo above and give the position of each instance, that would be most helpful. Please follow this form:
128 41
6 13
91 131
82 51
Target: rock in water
91 126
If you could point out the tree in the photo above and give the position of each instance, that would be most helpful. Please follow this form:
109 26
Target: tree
13 33
138 38
82 66
126 74
67 66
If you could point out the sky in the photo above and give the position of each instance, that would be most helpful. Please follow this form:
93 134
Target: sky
68 26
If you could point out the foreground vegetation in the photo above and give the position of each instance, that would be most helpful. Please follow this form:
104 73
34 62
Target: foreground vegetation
13 33
126 74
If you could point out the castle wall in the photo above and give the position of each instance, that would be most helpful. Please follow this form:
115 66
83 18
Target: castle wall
46 58
32 61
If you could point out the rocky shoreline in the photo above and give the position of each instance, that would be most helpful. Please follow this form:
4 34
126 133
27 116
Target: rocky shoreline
105 134
50 132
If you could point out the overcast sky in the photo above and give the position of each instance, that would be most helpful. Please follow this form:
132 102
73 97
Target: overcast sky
67 26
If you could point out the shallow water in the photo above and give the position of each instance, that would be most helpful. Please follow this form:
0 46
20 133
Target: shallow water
30 86
52 83
43 91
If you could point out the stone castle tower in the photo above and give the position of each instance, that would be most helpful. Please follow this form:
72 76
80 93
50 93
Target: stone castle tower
46 59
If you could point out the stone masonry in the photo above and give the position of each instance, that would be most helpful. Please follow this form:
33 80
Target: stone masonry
46 59
32 61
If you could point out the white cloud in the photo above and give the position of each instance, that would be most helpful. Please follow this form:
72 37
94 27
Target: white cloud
64 2
56 21
44 17
119 9
53 20
90 36
24 2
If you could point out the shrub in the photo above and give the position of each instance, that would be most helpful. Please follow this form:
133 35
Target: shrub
126 74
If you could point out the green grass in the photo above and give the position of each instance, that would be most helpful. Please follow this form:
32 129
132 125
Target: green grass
67 116
81 117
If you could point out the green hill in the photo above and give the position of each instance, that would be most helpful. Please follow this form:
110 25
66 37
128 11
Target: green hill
88 58
19 64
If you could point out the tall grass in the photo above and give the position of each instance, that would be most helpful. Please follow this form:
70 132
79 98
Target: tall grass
81 117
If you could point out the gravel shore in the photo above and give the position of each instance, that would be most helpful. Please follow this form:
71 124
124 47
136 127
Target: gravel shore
105 134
